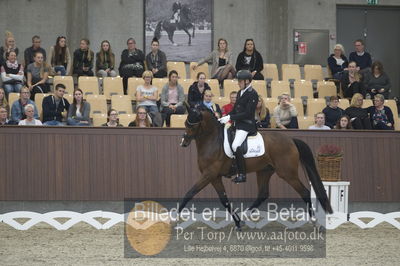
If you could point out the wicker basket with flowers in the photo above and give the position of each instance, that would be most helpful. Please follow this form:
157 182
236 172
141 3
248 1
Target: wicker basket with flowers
329 158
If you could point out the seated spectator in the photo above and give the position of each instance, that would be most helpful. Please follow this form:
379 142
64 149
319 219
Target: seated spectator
358 116
132 63
381 115
55 107
4 116
227 108
142 118
343 123
30 119
156 60
3 99
197 89
285 113
208 104
338 62
30 52
17 108
360 56
352 81
12 74
112 119
83 59
38 74
332 112
262 114
147 97
60 57
377 81
172 98
105 61
9 45
250 59
319 122
78 111
222 65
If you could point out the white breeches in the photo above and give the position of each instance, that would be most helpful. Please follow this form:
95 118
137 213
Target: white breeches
239 138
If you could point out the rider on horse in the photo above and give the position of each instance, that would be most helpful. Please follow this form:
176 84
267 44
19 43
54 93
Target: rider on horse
243 116
176 9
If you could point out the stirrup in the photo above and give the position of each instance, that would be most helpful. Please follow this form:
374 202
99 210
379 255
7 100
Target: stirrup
240 178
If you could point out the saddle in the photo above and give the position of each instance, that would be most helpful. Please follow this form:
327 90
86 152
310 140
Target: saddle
252 146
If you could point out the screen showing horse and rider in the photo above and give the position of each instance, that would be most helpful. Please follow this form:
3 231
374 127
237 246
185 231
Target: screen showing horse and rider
183 28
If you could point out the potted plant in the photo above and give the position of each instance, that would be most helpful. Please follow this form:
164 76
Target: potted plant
329 158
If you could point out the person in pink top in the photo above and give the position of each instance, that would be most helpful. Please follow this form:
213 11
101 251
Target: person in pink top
172 98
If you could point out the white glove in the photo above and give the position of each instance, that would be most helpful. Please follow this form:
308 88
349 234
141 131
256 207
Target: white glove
225 119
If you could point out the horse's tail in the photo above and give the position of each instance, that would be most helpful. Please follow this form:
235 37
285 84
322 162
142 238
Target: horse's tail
157 32
307 159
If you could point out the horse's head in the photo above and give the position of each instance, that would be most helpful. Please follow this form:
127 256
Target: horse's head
192 125
186 12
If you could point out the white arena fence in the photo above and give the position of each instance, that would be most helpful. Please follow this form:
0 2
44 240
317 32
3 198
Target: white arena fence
333 221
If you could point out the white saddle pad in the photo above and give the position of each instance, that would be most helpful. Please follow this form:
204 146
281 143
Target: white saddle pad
255 145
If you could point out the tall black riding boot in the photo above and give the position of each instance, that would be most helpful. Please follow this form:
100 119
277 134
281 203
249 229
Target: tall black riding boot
241 165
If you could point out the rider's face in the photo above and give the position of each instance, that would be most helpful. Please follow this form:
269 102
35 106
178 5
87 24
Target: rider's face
242 84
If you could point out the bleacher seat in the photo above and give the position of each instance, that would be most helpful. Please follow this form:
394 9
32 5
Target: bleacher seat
313 73
98 104
178 67
69 97
214 85
270 72
260 86
298 103
178 120
315 106
89 85
12 97
99 119
221 101
125 119
291 72
305 121
112 86
67 81
185 83
279 87
202 68
393 106
303 88
38 101
344 104
229 86
133 83
271 103
159 83
326 89
122 103
367 103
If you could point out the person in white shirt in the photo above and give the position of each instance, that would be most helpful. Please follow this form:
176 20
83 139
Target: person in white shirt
30 120
319 122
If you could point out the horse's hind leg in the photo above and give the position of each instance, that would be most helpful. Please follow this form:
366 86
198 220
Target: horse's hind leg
190 37
263 178
220 188
291 176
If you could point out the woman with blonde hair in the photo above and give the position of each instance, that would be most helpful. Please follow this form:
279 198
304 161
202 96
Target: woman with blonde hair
222 65
105 61
3 100
9 46
38 74
262 114
358 116
60 57
338 62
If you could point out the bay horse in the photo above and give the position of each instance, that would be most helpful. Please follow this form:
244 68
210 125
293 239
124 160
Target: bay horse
282 156
184 24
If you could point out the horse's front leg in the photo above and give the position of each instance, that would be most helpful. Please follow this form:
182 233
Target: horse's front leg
202 183
190 37
220 188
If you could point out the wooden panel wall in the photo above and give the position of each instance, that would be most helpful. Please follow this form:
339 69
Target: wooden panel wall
113 164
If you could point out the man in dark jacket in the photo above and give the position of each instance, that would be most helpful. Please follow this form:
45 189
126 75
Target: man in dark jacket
243 117
55 107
